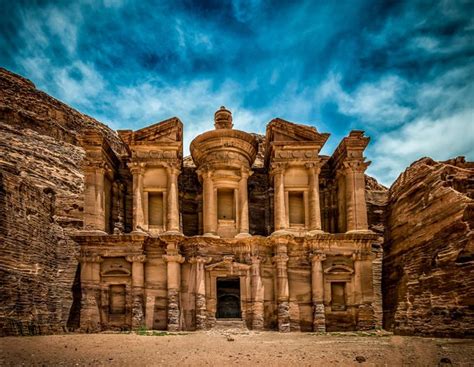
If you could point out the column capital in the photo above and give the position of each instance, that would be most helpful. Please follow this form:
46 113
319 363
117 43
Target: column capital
200 260
245 172
136 258
277 168
89 258
280 259
359 255
176 258
205 172
257 259
317 256
313 167
137 167
172 170
357 166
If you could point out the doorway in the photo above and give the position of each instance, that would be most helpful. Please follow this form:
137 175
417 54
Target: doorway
228 298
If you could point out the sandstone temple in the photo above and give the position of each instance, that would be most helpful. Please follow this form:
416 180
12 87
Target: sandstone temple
262 230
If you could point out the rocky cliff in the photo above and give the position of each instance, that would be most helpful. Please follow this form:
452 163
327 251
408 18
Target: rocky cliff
41 185
428 271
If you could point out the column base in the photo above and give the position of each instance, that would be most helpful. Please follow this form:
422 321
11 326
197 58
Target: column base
92 232
173 310
211 235
315 232
243 235
138 316
284 317
201 312
361 231
319 318
139 232
257 315
281 232
172 233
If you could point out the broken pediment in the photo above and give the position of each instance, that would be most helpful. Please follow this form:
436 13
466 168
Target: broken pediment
228 264
167 131
279 130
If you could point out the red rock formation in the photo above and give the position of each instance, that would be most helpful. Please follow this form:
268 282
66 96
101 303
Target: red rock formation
428 272
41 185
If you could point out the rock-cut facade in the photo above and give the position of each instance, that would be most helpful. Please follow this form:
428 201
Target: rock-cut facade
265 231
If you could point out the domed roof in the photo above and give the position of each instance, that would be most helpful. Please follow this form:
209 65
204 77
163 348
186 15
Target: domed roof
224 146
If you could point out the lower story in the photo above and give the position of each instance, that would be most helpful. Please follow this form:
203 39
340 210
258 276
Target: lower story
324 282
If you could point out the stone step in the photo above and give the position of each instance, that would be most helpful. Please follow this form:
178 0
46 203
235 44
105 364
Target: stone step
238 324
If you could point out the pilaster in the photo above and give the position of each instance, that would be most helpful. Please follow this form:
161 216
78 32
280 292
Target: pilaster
172 223
138 281
200 291
174 261
243 203
314 199
257 294
138 170
283 294
90 289
317 290
279 209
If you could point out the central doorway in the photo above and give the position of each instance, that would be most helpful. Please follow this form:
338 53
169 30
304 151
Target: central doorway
228 298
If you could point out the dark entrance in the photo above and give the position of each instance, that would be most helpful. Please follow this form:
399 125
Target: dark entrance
228 298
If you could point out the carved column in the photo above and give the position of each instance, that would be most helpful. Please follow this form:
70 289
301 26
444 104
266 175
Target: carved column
138 207
317 290
314 202
200 294
173 271
356 208
209 204
257 294
341 201
138 282
363 290
90 289
243 203
172 223
283 293
279 190
94 198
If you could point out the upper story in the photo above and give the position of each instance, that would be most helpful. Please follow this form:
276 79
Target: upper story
235 184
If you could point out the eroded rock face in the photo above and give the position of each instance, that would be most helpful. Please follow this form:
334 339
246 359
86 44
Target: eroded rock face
429 251
41 201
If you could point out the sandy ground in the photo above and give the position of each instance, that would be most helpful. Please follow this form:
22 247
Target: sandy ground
234 348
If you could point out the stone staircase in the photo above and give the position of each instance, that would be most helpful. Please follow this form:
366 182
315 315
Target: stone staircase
230 326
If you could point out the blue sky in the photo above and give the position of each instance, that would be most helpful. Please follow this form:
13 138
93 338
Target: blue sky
400 70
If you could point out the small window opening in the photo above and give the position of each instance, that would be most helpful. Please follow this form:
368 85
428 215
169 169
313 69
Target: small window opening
296 208
155 209
225 204
338 296
117 299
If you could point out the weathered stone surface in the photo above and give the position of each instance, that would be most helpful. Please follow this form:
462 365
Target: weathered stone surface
377 200
429 250
41 202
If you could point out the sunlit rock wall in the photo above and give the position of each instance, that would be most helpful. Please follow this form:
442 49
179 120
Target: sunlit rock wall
428 274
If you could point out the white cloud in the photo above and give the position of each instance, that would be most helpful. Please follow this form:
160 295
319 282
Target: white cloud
439 139
376 104
78 83
194 104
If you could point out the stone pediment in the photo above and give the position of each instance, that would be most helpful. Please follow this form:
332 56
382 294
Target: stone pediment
167 131
228 264
279 130
289 141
